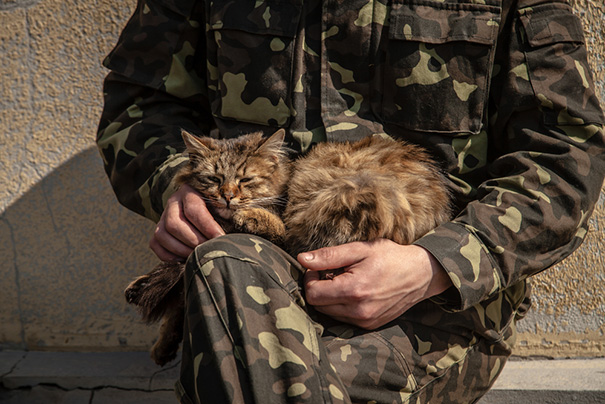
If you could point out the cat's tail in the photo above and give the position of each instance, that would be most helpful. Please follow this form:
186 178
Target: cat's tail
155 293
346 209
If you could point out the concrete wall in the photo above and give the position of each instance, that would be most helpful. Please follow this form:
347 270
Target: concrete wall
67 247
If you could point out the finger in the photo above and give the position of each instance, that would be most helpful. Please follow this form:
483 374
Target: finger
196 213
326 292
333 257
164 239
360 315
162 253
367 325
348 314
336 311
176 224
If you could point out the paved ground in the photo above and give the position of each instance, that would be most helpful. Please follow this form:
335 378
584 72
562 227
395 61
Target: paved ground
85 378
131 378
579 381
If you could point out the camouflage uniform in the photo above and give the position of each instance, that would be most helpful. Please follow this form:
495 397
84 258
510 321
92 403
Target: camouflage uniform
499 91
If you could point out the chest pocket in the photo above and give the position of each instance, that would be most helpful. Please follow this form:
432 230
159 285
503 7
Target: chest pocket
250 54
558 67
439 63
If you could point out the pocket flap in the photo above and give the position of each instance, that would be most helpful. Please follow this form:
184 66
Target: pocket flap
433 22
551 23
274 17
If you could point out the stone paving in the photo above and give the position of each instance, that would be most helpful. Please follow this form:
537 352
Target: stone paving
132 378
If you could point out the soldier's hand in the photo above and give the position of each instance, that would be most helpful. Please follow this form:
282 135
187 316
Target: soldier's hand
381 280
184 224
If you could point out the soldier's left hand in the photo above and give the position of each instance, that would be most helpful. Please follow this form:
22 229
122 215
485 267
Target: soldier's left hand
381 280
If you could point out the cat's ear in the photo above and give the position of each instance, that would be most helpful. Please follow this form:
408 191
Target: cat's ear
274 143
278 136
195 144
272 147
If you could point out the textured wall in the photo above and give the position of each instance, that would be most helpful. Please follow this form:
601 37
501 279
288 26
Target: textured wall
69 248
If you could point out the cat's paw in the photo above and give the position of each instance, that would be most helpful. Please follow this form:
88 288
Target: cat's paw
134 290
278 236
261 223
162 356
247 224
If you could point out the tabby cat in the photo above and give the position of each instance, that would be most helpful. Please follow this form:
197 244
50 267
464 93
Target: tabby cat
337 193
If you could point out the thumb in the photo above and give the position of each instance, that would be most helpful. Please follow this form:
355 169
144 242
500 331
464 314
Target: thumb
332 257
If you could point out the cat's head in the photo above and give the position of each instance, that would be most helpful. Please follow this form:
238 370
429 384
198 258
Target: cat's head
248 171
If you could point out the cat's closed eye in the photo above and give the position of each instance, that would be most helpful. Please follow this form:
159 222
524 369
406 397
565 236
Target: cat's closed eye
214 179
245 179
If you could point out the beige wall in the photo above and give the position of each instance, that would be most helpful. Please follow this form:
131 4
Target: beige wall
69 249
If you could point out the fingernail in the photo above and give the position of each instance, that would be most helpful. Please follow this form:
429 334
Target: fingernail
306 256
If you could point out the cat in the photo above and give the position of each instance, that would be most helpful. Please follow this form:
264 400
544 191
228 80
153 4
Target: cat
243 182
337 193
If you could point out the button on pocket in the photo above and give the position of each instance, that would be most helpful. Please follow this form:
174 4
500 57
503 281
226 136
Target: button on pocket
250 52
439 64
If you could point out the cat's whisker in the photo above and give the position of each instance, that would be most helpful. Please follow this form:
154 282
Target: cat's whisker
271 200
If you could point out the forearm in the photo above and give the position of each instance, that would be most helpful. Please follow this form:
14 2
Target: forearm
149 102
140 141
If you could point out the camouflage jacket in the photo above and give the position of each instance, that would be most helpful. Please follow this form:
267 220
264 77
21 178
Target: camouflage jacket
499 91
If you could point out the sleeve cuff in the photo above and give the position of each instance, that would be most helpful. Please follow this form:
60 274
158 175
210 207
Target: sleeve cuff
156 191
467 261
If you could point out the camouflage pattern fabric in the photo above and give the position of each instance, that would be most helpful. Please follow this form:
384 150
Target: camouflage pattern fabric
499 91
250 338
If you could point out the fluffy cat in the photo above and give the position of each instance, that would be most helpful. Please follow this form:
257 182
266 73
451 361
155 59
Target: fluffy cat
243 182
361 191
337 193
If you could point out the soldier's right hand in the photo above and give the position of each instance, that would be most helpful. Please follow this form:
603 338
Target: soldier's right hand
184 224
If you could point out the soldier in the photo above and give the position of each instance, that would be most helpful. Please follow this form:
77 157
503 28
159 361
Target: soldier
499 92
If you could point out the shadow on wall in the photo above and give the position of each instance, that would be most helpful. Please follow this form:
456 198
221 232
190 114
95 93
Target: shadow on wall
69 250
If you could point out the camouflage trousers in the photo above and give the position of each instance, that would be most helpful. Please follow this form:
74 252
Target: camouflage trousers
250 338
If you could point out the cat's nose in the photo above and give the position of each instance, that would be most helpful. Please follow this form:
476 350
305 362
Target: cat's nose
228 193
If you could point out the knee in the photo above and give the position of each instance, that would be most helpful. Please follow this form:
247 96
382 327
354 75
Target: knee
219 260
238 254
239 246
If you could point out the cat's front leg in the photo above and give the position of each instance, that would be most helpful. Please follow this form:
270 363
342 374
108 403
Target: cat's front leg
153 292
136 289
260 222
171 334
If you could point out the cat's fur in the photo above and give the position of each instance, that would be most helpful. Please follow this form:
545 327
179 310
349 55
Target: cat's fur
337 193
243 182
362 191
